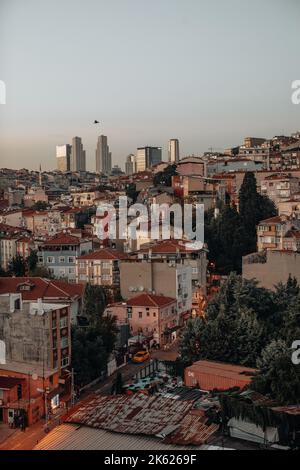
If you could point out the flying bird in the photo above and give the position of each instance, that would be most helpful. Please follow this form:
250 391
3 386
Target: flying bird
96 122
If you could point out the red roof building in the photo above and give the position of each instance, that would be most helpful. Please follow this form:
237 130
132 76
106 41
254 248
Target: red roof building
50 291
153 316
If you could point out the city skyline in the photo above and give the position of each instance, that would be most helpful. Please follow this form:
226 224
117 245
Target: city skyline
210 80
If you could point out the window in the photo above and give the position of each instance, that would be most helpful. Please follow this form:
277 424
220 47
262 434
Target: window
106 265
154 314
71 259
140 314
195 270
64 362
81 265
64 342
105 277
82 277
64 322
50 259
61 259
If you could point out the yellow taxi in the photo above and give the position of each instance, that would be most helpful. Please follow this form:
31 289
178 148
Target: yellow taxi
141 356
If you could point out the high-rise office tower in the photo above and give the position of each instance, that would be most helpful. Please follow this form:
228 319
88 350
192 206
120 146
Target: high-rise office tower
173 151
147 157
63 155
78 157
103 156
130 166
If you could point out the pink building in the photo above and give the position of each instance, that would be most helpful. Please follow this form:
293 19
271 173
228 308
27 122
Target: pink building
153 316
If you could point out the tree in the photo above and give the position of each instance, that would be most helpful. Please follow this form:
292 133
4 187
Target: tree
32 261
253 208
278 376
17 266
4 273
42 271
131 192
94 303
91 348
226 238
164 178
189 346
40 206
238 324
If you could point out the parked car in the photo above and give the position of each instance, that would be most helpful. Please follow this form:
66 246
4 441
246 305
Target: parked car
141 356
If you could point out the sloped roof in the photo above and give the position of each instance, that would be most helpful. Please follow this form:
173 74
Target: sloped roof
170 246
63 239
150 300
105 254
40 288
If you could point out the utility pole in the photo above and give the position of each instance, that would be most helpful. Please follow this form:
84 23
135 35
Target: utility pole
72 388
46 409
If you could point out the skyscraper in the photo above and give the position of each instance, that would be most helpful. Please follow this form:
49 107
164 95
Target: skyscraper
78 157
63 155
147 157
130 165
173 151
103 156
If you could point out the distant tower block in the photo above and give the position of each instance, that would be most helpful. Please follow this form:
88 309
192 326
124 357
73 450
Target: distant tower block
173 151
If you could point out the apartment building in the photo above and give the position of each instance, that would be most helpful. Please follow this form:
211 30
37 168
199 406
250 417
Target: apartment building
271 232
272 267
13 240
35 194
153 316
85 198
59 254
101 268
14 218
291 156
280 187
290 206
50 291
158 277
182 251
36 340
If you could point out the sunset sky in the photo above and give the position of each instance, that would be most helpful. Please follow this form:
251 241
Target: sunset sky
207 73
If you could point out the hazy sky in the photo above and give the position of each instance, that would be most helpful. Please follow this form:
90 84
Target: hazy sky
208 72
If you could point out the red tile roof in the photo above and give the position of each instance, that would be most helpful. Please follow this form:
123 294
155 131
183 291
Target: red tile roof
105 254
150 300
40 288
63 239
169 246
274 220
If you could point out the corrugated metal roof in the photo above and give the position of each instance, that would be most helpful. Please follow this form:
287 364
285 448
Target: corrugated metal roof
193 430
136 414
72 437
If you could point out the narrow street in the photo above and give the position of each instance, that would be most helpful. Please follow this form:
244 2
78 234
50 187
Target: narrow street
18 440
